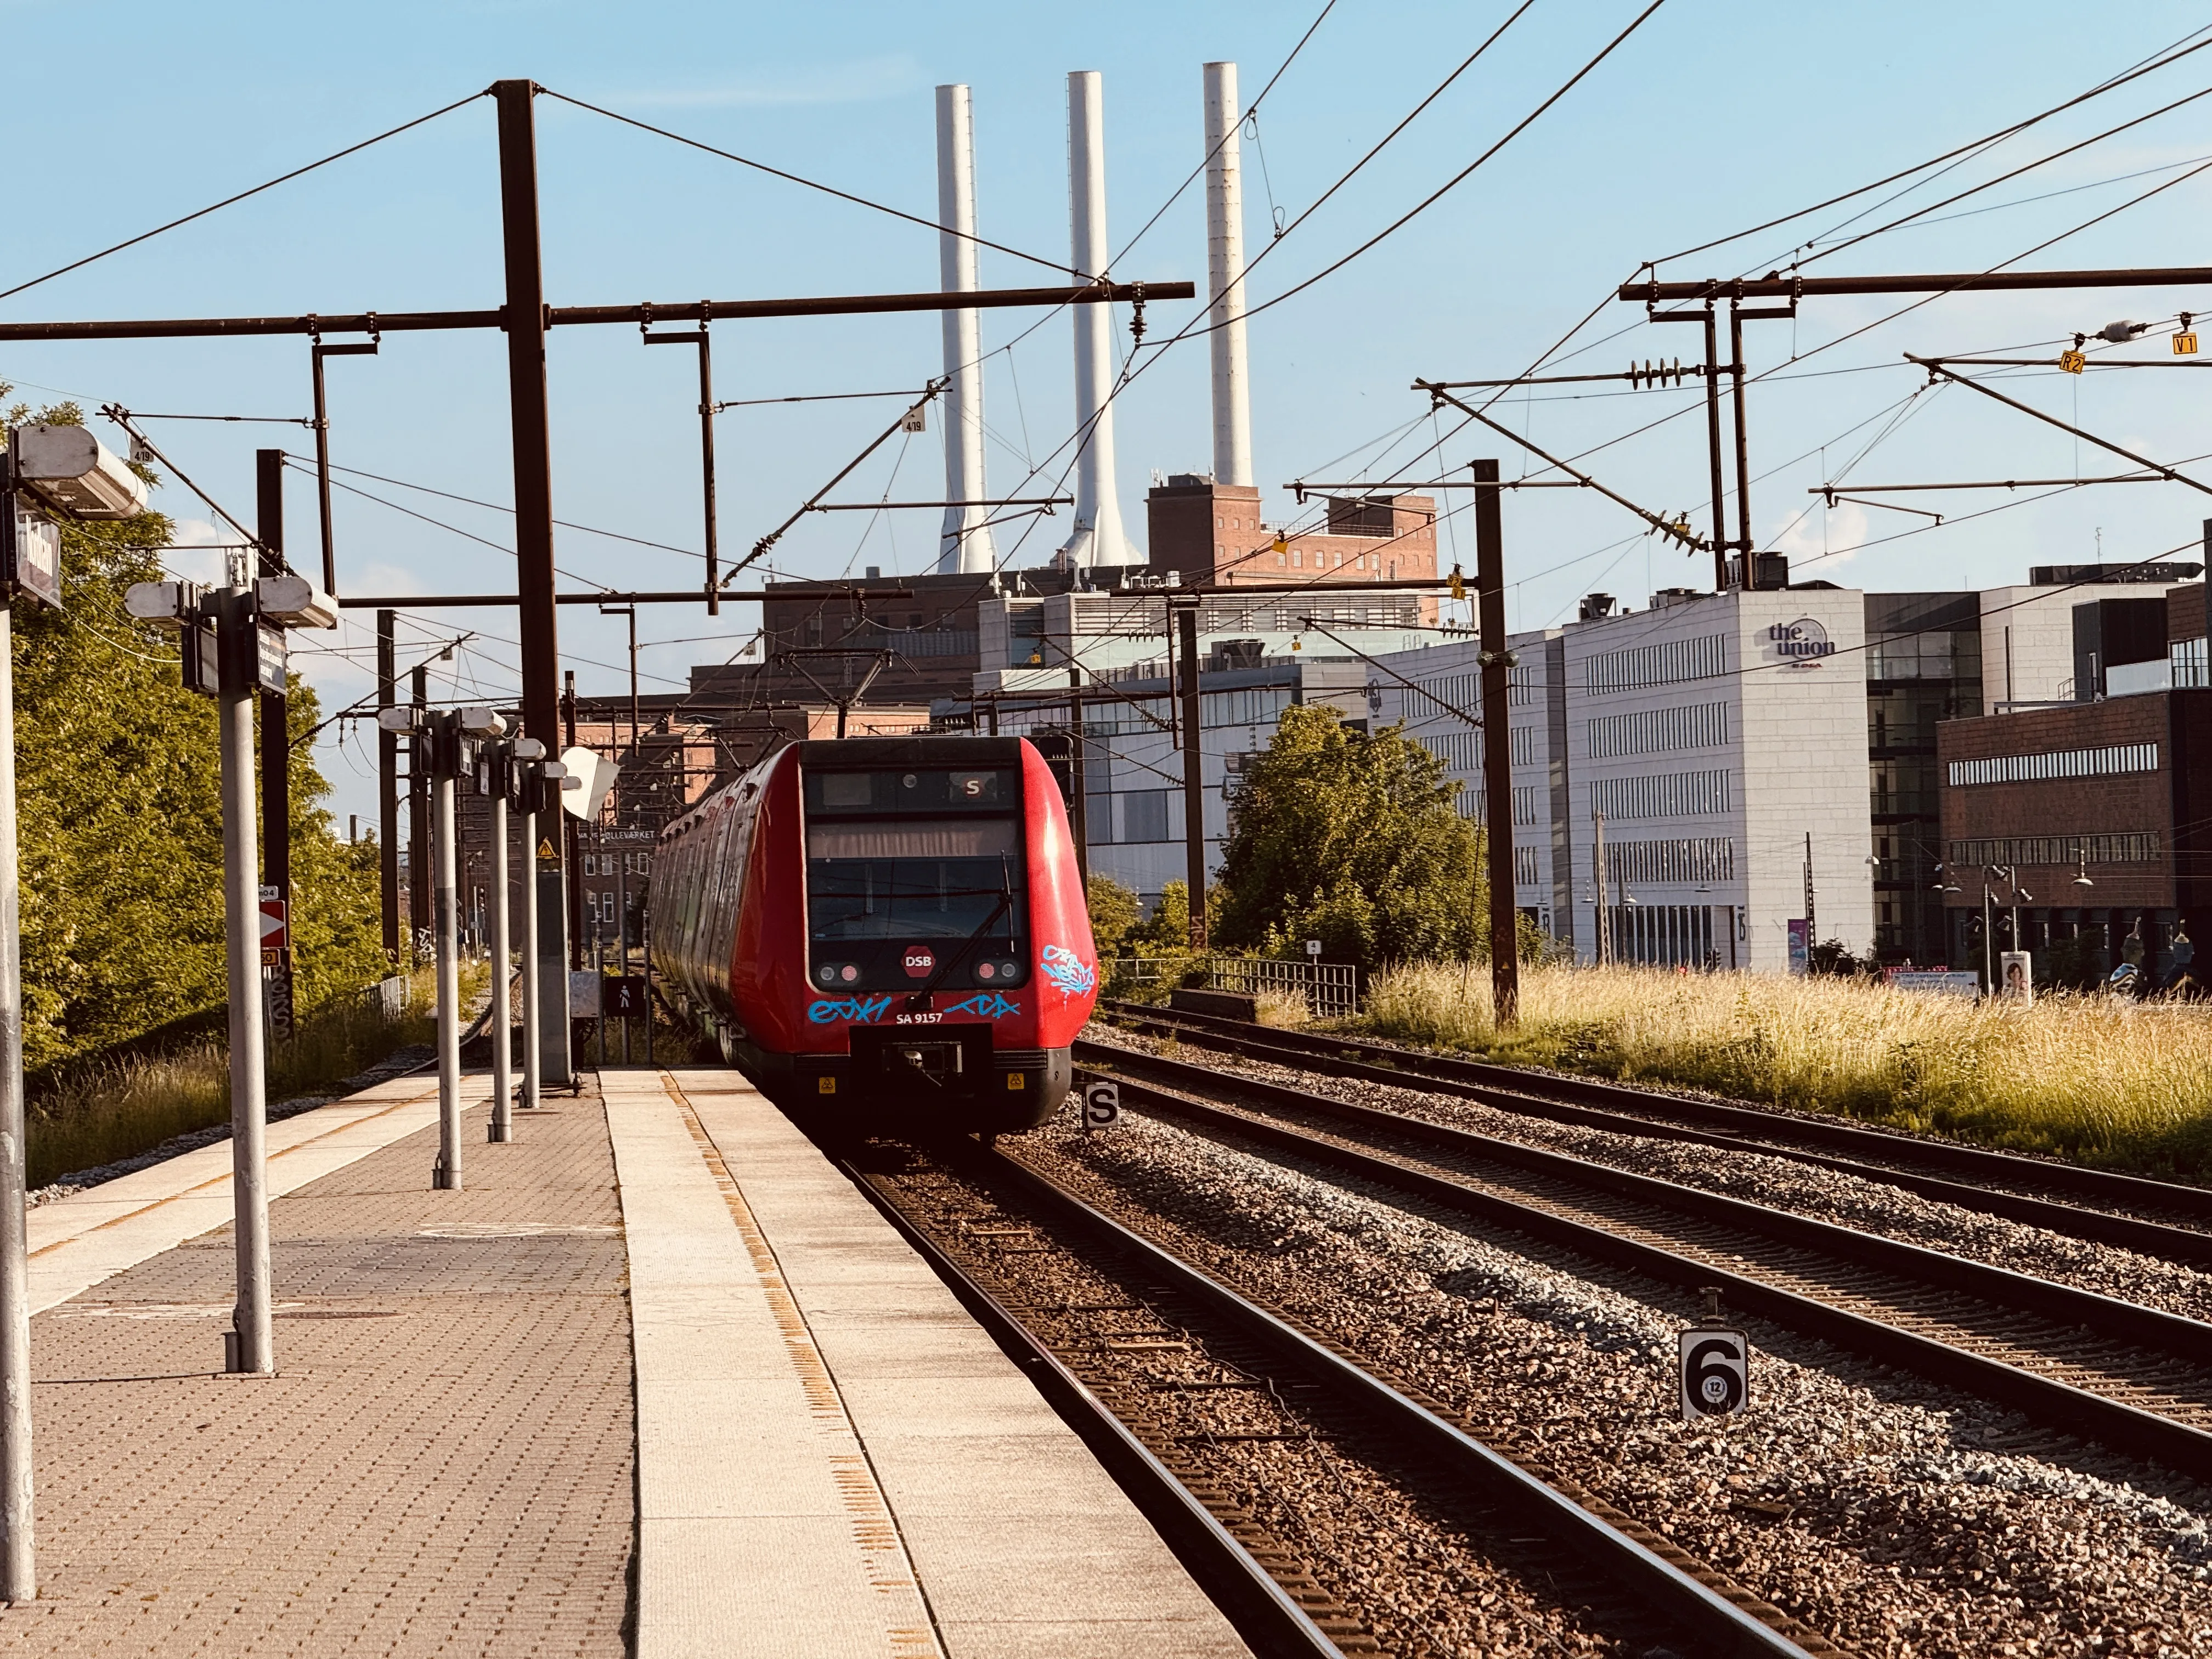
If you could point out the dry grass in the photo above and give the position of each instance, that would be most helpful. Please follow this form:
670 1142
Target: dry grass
1286 1010
119 1109
2101 1080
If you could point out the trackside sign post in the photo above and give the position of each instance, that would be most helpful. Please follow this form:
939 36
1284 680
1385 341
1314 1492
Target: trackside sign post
1102 1104
1716 1366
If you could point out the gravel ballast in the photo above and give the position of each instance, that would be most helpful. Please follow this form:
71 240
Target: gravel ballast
1764 1178
1900 1518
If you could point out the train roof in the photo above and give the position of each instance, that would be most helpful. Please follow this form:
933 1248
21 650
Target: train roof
917 751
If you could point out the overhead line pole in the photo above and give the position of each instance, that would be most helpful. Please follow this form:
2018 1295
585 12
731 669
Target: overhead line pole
1497 663
1194 773
526 321
387 787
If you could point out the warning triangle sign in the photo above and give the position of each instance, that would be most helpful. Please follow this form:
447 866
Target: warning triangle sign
545 848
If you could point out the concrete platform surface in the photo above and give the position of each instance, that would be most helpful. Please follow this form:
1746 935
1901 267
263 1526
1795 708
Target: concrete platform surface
658 1381
443 1463
785 1333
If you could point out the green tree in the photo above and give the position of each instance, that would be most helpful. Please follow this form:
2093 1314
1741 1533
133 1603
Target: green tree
1114 914
120 818
1354 841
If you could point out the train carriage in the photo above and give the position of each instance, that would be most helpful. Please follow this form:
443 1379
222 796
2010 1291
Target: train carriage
891 928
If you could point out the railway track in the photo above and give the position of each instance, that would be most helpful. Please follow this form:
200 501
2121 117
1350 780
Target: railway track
1003 1233
2136 1379
2164 1219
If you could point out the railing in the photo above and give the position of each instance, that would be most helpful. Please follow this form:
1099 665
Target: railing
1331 989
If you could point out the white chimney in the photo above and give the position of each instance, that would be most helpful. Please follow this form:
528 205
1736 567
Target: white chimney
965 545
1224 279
1097 539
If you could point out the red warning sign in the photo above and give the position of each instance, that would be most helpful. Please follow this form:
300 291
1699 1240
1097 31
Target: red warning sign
276 926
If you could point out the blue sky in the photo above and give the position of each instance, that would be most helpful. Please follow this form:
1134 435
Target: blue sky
1714 115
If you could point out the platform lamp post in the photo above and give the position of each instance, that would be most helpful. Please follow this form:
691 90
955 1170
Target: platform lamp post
30 566
233 641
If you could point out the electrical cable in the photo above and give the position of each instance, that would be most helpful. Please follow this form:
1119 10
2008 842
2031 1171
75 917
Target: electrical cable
810 184
2002 177
2170 55
282 177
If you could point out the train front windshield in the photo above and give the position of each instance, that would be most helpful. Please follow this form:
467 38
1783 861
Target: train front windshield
915 879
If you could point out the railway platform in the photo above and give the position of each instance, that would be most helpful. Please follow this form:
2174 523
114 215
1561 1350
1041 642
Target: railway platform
657 1381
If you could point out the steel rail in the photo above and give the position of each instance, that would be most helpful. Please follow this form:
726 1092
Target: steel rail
1628 1110
1262 1612
1721 1626
2062 1406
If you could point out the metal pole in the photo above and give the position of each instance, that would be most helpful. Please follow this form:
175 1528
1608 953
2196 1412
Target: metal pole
1078 785
622 920
502 968
645 938
1497 749
1597 887
707 472
419 769
445 1176
1811 933
275 734
1988 940
253 1342
1742 443
323 471
1713 444
1194 776
524 319
387 783
19 1576
533 790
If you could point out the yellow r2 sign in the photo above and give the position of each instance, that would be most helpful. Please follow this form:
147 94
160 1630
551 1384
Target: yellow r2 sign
2072 363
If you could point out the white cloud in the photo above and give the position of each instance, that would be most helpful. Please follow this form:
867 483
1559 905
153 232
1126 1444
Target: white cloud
1844 526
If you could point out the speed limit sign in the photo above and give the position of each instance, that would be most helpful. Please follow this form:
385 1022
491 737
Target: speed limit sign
1716 1373
1101 1104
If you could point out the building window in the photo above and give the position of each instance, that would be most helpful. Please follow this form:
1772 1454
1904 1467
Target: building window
1666 663
2140 846
1145 815
2111 761
1670 795
1709 857
1654 731
2188 661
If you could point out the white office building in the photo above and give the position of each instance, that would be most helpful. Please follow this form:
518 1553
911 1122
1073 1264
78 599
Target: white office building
1720 738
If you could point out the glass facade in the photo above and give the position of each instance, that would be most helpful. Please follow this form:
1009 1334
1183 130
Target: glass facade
1923 664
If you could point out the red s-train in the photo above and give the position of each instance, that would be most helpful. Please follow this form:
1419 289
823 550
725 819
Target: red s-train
893 926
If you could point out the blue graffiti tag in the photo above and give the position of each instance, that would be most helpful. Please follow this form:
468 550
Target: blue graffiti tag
1068 970
860 1010
987 1004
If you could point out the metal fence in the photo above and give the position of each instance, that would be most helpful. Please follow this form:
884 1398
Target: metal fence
1331 989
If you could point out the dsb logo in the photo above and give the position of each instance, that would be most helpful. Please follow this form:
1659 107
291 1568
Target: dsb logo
921 962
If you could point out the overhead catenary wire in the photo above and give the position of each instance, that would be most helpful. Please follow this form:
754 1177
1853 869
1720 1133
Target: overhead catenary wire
816 184
229 201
